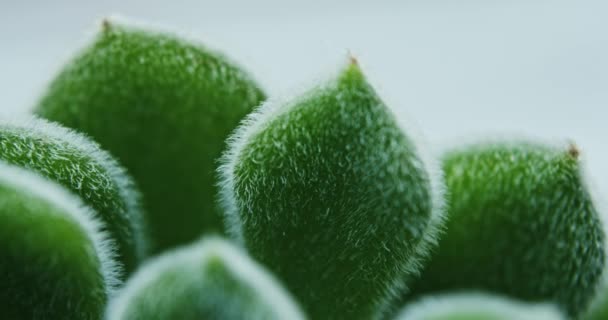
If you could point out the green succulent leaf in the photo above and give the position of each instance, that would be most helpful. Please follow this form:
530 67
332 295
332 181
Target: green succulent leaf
521 222
79 165
598 309
333 196
56 261
477 306
210 279
164 107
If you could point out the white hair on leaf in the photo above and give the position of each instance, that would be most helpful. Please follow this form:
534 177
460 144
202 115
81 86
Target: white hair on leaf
201 253
82 215
426 161
477 303
36 127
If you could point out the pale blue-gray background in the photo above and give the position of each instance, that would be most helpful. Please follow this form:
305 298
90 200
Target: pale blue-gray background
460 69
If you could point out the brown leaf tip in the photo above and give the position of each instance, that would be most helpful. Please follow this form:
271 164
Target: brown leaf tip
574 151
352 59
106 24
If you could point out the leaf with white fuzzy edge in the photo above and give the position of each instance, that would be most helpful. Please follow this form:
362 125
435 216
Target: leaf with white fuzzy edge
80 165
598 309
56 260
163 105
477 306
531 224
210 279
329 192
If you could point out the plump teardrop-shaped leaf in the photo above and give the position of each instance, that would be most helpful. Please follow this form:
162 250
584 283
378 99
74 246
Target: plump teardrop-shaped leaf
78 164
522 222
210 279
164 107
56 263
477 306
331 194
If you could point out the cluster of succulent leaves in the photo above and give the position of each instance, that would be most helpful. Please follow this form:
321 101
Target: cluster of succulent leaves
180 191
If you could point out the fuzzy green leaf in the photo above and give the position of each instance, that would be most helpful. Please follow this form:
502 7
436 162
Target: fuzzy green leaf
163 107
477 306
330 193
521 222
56 262
210 279
79 165
599 307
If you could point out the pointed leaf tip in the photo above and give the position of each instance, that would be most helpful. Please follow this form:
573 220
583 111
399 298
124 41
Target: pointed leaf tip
105 24
352 60
352 73
573 151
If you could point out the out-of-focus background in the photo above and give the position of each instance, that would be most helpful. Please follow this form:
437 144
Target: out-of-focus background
460 69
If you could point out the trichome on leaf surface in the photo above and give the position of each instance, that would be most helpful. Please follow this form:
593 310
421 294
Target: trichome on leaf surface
180 191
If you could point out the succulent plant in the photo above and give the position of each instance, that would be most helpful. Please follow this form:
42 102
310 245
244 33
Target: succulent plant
164 107
210 279
327 195
56 261
78 164
522 222
477 306
331 194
